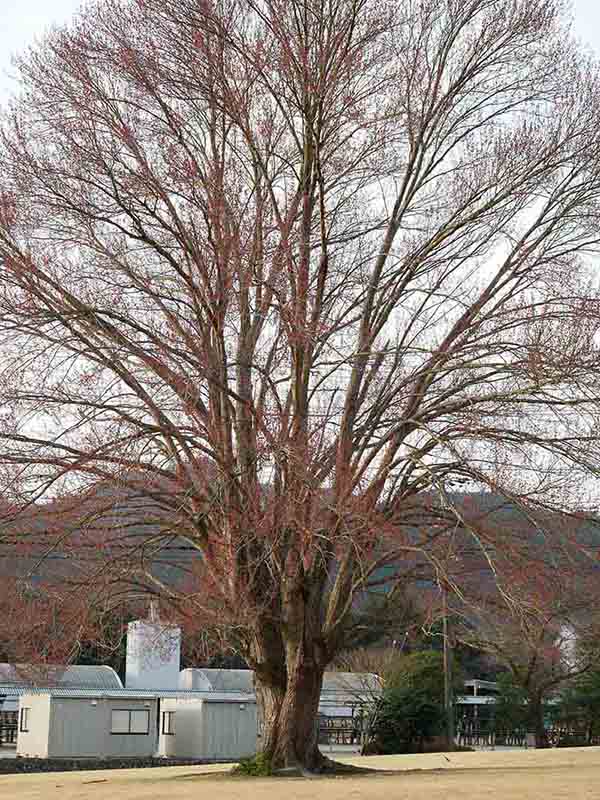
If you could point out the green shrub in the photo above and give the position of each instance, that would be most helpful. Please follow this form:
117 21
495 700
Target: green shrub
257 766
406 720
410 714
424 671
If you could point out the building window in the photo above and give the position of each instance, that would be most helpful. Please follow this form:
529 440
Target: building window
130 721
168 723
24 724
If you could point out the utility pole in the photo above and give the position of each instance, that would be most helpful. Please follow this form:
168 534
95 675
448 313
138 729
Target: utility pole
448 683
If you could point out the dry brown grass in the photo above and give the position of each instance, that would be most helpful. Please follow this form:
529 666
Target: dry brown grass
515 775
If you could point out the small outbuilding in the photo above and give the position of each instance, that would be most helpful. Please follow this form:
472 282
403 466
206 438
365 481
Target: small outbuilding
70 724
217 727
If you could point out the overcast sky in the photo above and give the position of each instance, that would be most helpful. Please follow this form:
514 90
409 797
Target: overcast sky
22 20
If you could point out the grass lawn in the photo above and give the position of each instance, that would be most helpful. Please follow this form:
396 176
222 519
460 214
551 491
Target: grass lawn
565 774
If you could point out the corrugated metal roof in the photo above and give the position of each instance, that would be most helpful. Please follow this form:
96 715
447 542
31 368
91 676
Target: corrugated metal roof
213 684
346 682
469 700
220 680
226 680
76 675
149 694
481 684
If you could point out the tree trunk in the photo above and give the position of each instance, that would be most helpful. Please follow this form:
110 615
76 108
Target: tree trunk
537 721
289 657
290 722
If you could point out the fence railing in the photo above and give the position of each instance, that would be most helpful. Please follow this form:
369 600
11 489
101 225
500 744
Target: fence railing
340 730
477 735
571 736
8 734
473 734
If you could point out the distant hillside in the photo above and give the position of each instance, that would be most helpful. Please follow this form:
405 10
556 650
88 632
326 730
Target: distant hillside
71 538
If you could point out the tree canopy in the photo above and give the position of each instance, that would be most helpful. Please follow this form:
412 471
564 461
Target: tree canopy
273 275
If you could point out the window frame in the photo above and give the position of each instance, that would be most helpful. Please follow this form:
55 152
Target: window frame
129 732
24 719
170 716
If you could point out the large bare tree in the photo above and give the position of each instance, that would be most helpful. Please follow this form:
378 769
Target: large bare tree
280 268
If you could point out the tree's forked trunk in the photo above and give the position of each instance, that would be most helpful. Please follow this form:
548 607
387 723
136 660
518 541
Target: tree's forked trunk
290 722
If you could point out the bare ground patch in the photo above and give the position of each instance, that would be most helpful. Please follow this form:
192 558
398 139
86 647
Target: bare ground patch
530 775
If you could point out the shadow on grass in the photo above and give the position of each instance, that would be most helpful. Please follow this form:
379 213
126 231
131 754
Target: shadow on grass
354 773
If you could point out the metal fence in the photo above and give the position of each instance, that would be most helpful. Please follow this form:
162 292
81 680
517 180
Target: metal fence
483 734
340 730
8 734
8 727
350 730
478 734
572 736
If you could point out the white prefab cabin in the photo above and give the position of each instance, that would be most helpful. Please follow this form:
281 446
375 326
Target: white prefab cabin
86 725
214 728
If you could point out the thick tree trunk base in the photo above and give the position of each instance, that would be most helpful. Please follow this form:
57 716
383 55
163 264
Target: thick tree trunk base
326 767
316 764
290 730
304 764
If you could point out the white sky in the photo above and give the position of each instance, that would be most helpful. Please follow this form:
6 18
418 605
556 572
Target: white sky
22 20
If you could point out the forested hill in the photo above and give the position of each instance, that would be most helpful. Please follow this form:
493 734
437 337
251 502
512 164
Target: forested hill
67 537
